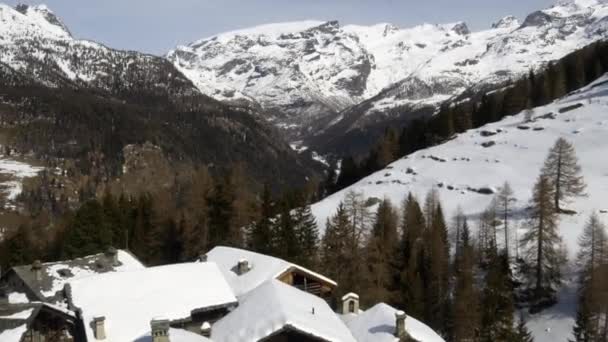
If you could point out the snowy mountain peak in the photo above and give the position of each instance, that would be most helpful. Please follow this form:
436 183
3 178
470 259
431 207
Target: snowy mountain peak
506 22
44 18
461 28
305 74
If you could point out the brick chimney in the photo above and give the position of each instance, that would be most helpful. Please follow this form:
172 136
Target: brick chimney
400 331
350 303
112 256
160 330
99 327
206 329
243 267
37 270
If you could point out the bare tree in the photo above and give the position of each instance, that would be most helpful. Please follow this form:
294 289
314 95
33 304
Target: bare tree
563 172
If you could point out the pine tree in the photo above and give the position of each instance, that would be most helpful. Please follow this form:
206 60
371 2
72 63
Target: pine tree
466 319
497 300
382 249
522 334
87 232
412 251
563 172
220 214
285 239
260 239
504 200
437 253
541 244
18 249
307 235
336 254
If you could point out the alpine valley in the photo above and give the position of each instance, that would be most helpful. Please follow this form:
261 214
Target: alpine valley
307 181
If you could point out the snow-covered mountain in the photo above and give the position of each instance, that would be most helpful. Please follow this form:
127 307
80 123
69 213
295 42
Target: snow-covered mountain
312 71
34 41
467 169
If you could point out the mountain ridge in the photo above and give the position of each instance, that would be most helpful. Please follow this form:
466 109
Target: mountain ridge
395 70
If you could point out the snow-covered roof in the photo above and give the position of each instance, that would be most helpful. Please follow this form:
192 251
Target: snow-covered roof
14 334
378 325
262 268
130 300
176 335
275 306
55 275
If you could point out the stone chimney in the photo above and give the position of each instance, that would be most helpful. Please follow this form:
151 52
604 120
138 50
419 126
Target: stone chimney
350 304
3 294
112 256
202 257
242 267
206 329
400 331
99 328
37 270
160 330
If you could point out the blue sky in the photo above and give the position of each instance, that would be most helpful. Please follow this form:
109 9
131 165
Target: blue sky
156 26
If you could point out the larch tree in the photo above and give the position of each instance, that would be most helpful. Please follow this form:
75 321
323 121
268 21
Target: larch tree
541 244
563 172
504 200
592 311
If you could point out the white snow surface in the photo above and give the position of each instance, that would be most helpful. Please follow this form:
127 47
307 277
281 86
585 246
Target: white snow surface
25 314
275 305
16 172
130 300
13 335
377 324
262 268
176 335
517 157
17 298
127 263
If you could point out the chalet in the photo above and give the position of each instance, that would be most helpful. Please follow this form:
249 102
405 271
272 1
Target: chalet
229 295
245 271
34 322
277 312
120 306
45 282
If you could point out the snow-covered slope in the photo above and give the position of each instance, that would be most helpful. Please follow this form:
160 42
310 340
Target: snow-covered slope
460 167
309 70
35 42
